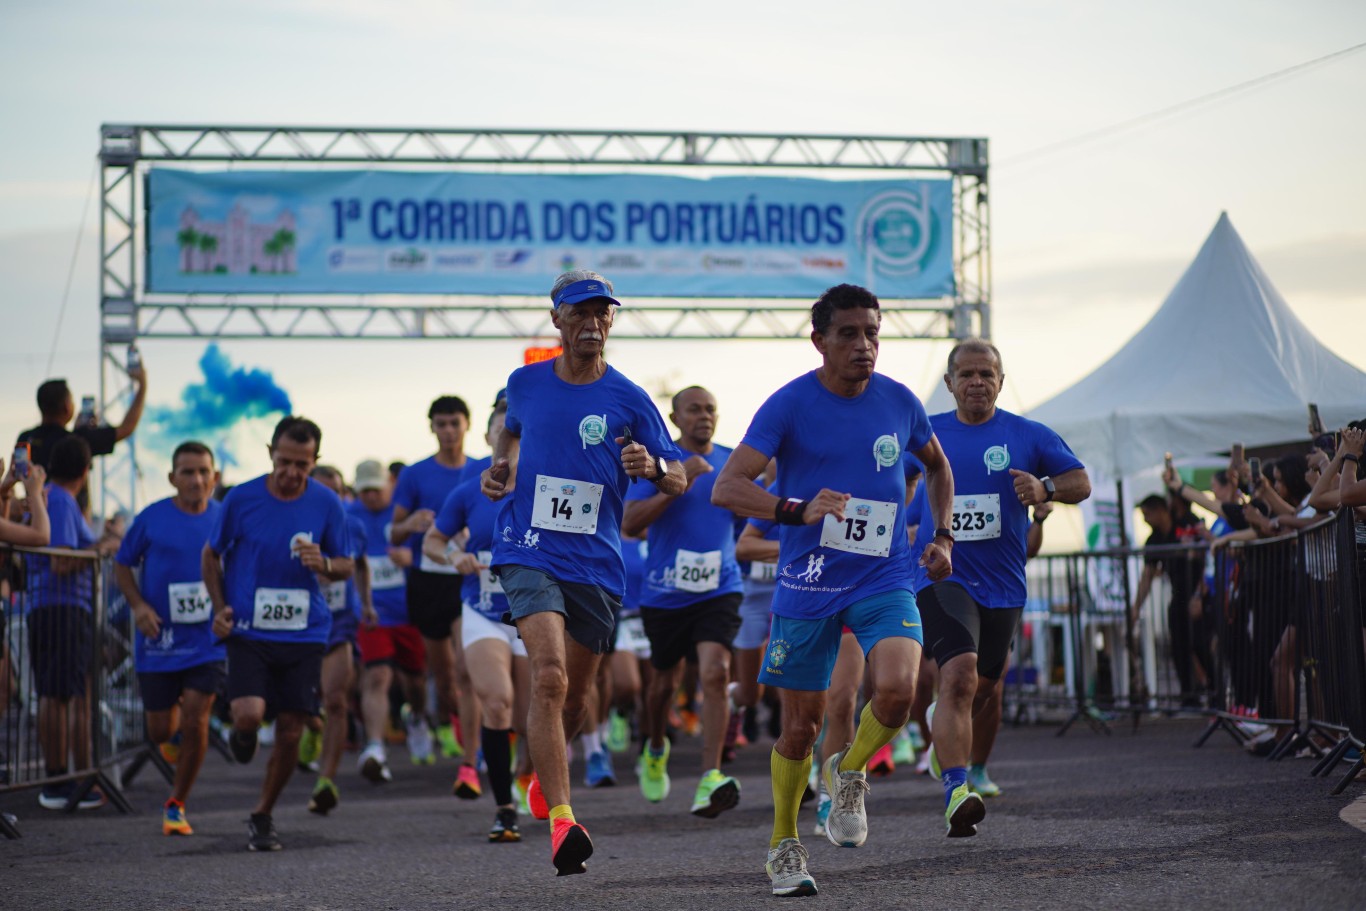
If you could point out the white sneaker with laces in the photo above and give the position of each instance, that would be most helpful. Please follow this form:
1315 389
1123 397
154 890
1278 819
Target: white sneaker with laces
847 824
373 765
787 869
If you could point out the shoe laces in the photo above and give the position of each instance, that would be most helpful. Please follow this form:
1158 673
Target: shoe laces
791 859
849 796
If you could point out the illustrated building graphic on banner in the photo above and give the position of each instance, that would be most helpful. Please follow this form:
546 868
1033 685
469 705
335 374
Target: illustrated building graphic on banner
236 245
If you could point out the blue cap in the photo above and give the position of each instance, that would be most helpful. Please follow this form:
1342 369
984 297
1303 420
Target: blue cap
586 290
501 397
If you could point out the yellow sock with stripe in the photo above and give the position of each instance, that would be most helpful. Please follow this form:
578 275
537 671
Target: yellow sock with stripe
872 735
561 812
789 783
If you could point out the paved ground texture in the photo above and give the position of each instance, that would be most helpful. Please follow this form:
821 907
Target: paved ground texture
1086 821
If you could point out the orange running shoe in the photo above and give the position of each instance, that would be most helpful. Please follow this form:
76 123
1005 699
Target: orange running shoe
467 783
570 846
173 821
535 799
881 764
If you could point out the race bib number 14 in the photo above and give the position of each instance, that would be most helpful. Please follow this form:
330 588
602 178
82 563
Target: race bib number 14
563 504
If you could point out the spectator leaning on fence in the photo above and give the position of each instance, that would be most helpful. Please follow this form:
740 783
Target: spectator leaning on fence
61 628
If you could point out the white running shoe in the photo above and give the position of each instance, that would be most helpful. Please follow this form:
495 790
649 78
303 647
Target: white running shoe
373 764
787 869
420 747
847 824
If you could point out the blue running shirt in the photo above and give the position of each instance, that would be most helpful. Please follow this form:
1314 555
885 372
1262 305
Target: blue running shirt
343 598
692 543
388 583
854 446
633 553
424 485
564 516
272 596
990 526
467 507
69 529
168 543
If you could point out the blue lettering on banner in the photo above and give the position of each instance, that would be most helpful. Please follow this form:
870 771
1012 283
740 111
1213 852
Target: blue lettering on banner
376 231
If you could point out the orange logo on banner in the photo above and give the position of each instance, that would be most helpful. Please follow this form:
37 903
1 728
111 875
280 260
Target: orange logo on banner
536 354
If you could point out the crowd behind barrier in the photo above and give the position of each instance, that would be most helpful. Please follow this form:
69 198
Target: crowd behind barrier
1274 653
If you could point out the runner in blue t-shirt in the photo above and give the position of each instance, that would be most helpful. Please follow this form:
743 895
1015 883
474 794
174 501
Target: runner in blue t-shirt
690 602
577 434
434 589
180 664
1002 465
273 539
391 643
349 602
494 654
838 433
757 550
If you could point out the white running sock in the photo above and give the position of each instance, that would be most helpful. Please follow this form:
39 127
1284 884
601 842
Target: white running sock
592 742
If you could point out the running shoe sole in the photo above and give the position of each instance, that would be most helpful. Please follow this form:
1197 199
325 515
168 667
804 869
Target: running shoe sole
576 848
963 822
373 770
323 802
725 797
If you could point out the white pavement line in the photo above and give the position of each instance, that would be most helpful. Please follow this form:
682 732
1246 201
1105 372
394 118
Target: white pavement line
1354 814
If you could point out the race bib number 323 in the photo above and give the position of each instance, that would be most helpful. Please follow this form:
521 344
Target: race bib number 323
977 517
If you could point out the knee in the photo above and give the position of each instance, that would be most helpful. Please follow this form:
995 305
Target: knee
335 702
247 716
714 676
158 730
288 727
497 711
799 735
893 704
959 686
550 683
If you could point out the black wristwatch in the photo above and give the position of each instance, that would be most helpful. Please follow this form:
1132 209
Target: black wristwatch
662 466
944 533
1050 490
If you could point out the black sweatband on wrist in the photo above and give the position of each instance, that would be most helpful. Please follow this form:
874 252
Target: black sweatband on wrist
790 511
1351 457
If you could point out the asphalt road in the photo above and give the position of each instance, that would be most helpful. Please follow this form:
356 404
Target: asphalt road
1086 821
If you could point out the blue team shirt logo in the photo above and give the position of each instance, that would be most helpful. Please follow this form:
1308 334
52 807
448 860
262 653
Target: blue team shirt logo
593 429
887 451
997 458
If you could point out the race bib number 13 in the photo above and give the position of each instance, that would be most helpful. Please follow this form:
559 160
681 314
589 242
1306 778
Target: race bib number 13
867 528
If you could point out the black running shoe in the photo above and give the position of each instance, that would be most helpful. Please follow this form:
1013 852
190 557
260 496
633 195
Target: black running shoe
243 745
505 826
263 837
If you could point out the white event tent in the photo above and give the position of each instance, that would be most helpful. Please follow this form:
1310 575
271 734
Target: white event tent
1223 359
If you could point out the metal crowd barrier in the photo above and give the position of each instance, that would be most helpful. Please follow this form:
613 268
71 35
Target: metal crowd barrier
56 654
1274 641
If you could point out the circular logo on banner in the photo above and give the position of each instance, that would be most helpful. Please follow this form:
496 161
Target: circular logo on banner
997 458
895 231
593 429
887 451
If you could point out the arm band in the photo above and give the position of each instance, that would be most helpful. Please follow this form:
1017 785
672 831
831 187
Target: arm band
1351 457
790 511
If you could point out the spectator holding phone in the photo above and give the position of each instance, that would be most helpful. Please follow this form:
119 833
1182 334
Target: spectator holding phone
38 531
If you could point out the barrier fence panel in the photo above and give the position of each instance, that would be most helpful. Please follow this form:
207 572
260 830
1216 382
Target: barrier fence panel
1334 646
54 655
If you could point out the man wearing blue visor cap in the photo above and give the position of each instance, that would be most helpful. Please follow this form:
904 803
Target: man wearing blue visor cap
557 548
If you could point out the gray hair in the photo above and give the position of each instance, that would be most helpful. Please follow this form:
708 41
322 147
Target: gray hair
576 275
979 346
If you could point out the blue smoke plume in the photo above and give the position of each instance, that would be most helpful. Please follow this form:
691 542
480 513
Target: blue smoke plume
209 410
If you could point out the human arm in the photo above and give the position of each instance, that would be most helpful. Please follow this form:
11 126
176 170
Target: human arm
405 525
640 514
937 555
1351 491
1145 585
434 545
1190 494
735 490
333 569
500 478
144 615
752 546
1324 496
638 462
130 420
211 569
38 531
1034 537
1069 487
368 616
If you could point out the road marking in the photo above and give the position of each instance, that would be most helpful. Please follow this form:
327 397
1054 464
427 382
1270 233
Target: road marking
1354 814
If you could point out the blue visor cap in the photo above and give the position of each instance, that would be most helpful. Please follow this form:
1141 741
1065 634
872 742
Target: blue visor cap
586 290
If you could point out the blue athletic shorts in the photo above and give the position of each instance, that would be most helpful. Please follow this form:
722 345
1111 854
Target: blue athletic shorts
801 653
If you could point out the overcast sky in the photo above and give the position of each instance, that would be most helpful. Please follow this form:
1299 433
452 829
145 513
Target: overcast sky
1087 240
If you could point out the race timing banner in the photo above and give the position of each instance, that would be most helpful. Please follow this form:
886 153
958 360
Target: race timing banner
349 232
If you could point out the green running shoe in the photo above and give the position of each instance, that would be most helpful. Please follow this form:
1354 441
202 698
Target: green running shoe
310 748
618 738
903 752
325 797
964 812
935 771
980 781
448 743
653 772
716 793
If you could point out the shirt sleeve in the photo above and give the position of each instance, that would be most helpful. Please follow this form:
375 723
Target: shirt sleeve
405 491
770 424
101 439
921 431
450 518
512 419
336 532
133 547
641 490
224 525
650 431
1052 455
358 537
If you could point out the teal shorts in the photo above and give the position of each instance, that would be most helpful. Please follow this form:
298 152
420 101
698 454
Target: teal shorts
801 653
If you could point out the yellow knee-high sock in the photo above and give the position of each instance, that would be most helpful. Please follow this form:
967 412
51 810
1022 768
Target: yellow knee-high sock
872 735
789 783
560 812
